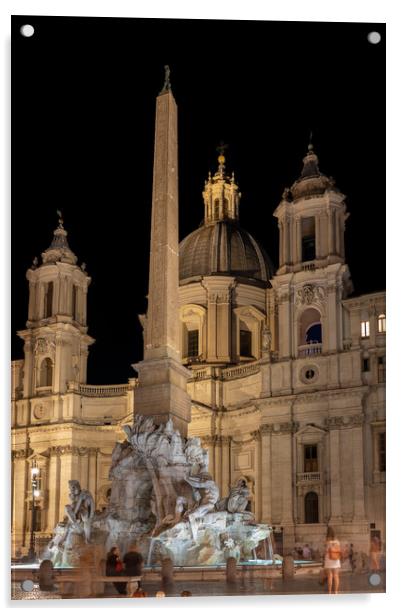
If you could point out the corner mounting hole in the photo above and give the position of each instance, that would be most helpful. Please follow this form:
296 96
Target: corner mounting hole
27 585
374 38
27 30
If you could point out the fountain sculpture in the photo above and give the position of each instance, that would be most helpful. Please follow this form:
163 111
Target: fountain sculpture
165 500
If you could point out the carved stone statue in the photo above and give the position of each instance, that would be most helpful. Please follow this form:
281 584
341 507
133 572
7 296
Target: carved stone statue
82 509
266 339
208 498
166 85
237 500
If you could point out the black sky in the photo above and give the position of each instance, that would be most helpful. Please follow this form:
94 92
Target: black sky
82 141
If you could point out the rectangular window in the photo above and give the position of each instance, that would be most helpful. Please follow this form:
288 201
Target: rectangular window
245 343
365 329
381 452
74 303
49 300
366 364
381 369
308 238
381 324
310 459
192 343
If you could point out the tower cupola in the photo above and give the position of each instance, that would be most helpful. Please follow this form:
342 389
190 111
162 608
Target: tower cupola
221 195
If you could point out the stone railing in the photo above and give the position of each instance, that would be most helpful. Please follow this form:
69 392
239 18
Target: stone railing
99 391
240 371
308 477
314 348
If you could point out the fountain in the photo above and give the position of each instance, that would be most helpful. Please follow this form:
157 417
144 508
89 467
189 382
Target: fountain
164 500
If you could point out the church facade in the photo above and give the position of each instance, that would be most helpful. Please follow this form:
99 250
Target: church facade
285 370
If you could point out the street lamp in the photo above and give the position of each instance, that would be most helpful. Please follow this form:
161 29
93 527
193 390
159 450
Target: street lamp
35 494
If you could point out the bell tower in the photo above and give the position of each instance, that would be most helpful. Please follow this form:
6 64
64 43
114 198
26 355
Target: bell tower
55 339
311 219
312 278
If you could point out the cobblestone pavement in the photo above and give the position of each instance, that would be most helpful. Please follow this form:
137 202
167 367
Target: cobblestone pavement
350 583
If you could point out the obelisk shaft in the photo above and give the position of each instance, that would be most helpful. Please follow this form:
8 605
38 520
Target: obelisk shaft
162 379
162 332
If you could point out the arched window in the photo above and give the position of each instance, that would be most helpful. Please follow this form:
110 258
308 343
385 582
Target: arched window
49 300
310 332
381 324
314 333
46 373
311 508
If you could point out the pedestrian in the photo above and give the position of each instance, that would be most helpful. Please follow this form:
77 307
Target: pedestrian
351 557
306 552
375 548
133 562
114 567
332 561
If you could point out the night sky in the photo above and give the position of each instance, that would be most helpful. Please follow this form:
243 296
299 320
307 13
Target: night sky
82 141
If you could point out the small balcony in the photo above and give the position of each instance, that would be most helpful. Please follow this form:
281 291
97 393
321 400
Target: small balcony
314 477
312 348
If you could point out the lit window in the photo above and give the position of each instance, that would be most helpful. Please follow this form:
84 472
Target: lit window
381 323
365 329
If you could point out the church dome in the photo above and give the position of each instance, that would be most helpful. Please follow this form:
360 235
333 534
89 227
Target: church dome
223 247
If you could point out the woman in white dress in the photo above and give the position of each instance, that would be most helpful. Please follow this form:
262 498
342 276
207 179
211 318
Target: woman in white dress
332 561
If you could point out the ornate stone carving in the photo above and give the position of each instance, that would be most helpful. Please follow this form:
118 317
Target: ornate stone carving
43 346
39 411
266 428
310 294
21 454
266 338
237 500
341 421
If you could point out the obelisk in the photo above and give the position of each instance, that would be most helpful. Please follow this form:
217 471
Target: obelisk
162 379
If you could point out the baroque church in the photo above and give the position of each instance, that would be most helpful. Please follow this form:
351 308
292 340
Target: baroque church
280 373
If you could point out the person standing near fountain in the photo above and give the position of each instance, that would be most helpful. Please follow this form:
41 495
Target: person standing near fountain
332 561
133 562
114 567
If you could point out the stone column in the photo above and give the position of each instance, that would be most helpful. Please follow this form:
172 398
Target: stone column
332 319
218 462
280 227
337 234
54 515
258 472
286 241
19 503
92 470
286 436
266 481
359 509
317 237
298 241
211 324
225 465
331 238
335 473
32 300
28 369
